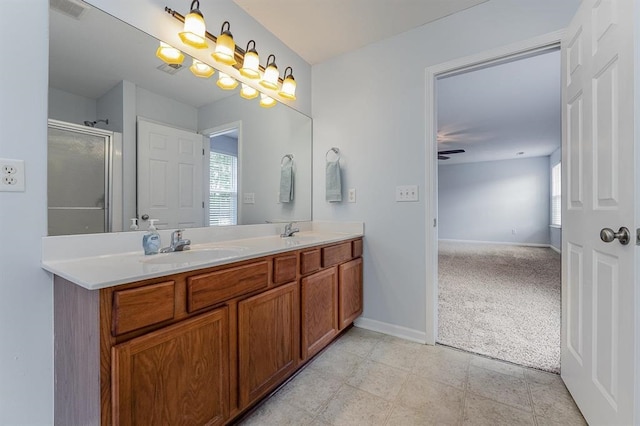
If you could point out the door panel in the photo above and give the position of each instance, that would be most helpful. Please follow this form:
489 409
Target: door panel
598 294
170 176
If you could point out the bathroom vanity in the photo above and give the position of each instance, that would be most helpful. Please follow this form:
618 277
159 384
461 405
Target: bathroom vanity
197 342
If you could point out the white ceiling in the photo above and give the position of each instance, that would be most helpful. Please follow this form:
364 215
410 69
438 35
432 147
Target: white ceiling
496 112
321 29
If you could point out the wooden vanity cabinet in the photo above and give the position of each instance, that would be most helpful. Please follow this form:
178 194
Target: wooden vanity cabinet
268 340
199 347
178 375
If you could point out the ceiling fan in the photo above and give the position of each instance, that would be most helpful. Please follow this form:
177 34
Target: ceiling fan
442 155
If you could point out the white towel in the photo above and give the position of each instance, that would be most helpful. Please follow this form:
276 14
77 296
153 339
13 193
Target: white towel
286 182
333 182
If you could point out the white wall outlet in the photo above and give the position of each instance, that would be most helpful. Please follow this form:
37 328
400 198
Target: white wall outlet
352 195
249 198
11 175
406 193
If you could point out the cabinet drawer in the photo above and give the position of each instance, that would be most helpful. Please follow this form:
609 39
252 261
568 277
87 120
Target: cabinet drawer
334 255
143 306
356 247
210 289
284 268
309 261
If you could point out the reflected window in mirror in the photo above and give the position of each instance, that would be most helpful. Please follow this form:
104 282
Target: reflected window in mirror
223 179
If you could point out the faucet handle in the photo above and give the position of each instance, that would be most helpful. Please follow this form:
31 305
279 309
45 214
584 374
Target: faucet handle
176 235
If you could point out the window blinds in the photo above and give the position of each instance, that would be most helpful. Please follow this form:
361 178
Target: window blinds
223 189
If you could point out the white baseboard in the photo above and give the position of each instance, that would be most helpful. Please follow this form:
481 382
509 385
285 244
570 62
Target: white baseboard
392 330
507 243
557 250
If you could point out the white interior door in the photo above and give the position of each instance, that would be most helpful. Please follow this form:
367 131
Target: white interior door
170 178
598 278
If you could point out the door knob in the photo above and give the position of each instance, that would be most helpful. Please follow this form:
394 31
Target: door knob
623 235
145 217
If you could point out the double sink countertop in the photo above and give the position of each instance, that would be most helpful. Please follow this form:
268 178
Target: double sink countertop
96 261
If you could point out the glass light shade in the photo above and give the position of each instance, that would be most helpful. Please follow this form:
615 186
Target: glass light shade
266 101
248 92
194 29
288 88
226 82
225 49
200 69
270 79
169 54
251 65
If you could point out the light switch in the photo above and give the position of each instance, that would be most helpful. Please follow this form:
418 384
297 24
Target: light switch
249 198
406 193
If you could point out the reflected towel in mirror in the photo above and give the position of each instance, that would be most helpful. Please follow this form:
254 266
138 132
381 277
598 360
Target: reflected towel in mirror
286 182
333 182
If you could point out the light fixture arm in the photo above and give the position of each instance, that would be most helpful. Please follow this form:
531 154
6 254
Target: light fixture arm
251 49
290 72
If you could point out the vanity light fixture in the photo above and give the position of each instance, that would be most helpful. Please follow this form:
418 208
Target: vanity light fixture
194 30
248 92
226 82
225 46
267 101
288 85
169 54
270 78
200 69
251 62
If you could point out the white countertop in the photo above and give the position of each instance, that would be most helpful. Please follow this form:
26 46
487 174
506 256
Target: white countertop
94 267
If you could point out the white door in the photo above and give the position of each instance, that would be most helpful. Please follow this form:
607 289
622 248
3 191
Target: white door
170 163
598 278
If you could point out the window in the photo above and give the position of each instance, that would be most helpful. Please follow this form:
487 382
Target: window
223 189
556 195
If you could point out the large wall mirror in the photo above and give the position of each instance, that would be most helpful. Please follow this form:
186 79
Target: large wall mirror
104 76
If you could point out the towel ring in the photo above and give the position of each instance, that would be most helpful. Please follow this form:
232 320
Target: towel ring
335 150
284 157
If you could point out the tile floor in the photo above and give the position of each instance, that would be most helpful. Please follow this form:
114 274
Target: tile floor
367 378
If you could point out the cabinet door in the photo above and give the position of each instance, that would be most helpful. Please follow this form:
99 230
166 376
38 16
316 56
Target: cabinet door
319 310
178 375
268 340
350 292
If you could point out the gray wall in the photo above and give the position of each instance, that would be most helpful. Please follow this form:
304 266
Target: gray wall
165 110
555 233
71 108
379 125
26 305
486 201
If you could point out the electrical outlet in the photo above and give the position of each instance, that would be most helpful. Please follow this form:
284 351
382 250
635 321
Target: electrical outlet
352 195
406 193
11 175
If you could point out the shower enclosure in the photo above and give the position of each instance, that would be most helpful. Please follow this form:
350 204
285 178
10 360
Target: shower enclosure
79 175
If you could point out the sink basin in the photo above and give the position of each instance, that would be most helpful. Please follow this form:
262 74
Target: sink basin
193 256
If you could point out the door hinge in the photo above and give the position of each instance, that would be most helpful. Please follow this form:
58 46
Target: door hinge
203 152
638 237
203 204
435 222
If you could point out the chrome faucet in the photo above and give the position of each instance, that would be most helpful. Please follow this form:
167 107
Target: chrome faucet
289 230
177 243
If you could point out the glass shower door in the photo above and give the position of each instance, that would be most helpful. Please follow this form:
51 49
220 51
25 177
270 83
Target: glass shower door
78 180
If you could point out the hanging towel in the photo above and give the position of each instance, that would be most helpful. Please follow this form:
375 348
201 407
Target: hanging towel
286 182
334 185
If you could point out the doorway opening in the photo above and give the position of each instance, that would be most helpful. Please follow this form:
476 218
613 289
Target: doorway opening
498 285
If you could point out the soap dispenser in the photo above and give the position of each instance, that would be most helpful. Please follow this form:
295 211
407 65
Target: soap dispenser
151 240
134 224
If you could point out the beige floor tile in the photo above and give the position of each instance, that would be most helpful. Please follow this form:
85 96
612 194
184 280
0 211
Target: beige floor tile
499 387
544 421
403 416
395 352
310 390
336 362
553 403
351 406
481 411
445 365
541 377
276 411
498 366
358 341
378 379
438 402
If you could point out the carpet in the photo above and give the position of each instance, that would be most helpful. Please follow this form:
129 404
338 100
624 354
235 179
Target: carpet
501 301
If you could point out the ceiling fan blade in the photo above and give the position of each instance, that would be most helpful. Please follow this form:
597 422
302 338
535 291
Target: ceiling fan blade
442 157
452 151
